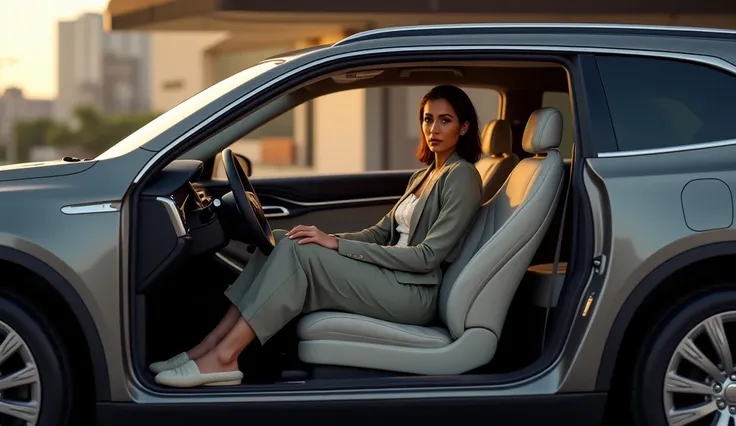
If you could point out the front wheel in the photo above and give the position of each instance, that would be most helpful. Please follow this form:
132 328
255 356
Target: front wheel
685 374
34 378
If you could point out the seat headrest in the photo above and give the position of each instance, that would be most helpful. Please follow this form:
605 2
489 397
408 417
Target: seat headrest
543 131
496 138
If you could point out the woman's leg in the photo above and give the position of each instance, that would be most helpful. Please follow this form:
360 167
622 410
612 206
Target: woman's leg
239 287
224 356
304 278
213 338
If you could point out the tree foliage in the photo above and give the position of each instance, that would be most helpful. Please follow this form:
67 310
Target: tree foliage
91 133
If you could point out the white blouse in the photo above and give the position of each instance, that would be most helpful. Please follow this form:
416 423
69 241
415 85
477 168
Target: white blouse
403 219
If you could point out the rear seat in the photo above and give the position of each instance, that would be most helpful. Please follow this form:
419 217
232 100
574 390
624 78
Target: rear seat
498 161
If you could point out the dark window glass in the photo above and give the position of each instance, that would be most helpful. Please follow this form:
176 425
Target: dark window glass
658 103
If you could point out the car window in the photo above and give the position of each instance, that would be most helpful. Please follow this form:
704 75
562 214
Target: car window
347 132
561 101
660 103
184 109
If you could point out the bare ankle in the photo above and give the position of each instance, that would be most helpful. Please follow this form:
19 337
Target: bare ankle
210 342
206 345
227 358
193 353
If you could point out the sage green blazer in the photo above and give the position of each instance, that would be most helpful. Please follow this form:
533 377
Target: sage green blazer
438 226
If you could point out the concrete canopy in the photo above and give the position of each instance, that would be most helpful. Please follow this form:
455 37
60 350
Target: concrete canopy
269 22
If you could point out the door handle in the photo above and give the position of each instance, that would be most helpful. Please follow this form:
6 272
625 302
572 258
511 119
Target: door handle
275 211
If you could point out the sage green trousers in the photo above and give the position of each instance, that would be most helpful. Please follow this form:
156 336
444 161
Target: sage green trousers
294 279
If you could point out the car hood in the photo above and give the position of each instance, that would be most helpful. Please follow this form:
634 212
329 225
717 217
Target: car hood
42 169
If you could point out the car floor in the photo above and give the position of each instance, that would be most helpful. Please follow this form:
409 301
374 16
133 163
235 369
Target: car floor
185 307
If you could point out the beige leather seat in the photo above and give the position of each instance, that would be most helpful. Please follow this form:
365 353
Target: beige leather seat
476 289
498 161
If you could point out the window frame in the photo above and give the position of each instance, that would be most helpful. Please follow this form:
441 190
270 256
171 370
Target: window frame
255 93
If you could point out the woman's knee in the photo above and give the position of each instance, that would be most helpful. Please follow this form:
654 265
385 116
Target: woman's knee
302 251
279 234
283 242
310 253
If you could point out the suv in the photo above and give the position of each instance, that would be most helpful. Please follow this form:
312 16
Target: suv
609 274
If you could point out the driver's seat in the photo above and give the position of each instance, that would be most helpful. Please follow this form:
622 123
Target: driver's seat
477 288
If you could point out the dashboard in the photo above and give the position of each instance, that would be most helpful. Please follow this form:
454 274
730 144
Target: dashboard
175 221
181 197
186 200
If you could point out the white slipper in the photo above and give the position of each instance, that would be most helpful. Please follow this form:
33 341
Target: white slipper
170 363
188 375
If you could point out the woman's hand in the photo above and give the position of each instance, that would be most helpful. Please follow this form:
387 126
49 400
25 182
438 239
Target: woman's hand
311 234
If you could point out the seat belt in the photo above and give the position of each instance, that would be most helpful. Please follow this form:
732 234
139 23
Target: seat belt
558 249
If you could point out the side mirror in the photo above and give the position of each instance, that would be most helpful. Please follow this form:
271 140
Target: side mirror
245 164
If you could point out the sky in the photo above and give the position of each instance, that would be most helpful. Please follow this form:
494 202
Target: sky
28 35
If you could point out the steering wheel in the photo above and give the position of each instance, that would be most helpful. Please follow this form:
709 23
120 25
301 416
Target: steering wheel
254 223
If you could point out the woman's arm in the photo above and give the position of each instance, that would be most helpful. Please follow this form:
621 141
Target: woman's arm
380 233
461 197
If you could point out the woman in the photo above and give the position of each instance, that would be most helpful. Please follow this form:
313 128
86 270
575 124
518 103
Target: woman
390 271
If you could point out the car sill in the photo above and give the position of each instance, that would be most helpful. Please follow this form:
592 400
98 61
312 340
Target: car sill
585 409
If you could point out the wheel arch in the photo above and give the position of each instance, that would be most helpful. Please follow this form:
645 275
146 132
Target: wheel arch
655 283
71 299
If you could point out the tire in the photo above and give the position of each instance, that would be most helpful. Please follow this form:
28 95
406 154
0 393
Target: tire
38 345
659 355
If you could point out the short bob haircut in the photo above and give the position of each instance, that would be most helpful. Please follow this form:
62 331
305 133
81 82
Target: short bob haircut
468 146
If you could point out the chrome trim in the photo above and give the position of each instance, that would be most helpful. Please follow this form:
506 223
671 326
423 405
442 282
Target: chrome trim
368 34
173 212
228 262
282 211
708 60
666 150
336 202
109 207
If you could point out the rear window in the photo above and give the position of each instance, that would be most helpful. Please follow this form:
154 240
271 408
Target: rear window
661 103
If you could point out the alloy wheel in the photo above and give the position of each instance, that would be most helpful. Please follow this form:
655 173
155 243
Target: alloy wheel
20 382
700 381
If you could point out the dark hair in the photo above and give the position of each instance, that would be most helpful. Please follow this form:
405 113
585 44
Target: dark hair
468 145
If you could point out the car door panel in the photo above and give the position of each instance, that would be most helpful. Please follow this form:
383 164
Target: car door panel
333 203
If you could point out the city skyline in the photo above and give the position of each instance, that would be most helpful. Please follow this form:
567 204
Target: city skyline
107 70
29 33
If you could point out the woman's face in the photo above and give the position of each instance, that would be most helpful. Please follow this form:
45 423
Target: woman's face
441 126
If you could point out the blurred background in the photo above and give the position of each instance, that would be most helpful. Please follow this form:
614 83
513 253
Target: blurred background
77 76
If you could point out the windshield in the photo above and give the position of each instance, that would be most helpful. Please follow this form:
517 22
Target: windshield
184 109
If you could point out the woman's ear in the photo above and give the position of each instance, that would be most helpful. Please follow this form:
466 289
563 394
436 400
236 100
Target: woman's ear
464 128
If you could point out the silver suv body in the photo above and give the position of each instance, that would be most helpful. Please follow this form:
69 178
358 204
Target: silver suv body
621 310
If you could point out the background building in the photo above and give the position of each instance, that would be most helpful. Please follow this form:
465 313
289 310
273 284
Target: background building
14 106
109 71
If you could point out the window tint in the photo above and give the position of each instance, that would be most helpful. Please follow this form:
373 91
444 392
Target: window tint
561 101
658 103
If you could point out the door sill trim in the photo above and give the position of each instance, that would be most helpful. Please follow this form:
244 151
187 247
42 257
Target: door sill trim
579 409
228 262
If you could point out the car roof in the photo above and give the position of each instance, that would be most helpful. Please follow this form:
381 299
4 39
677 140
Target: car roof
581 29
573 33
